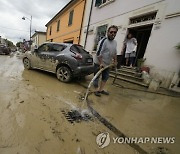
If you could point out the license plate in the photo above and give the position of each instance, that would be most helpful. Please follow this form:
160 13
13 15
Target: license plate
89 60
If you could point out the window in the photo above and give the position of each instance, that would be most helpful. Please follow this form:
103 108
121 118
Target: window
100 2
77 49
104 1
50 30
70 18
44 48
148 17
58 25
57 47
101 33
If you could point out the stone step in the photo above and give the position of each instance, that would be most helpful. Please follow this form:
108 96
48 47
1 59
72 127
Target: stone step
130 76
130 80
128 67
129 71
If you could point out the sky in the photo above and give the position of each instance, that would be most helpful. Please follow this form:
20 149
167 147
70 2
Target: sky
13 28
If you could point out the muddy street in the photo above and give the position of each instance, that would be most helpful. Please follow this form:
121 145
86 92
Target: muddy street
34 105
31 120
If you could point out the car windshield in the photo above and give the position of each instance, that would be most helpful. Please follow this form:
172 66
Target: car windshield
77 49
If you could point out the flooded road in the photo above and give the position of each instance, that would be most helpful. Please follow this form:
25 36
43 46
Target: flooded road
142 114
32 122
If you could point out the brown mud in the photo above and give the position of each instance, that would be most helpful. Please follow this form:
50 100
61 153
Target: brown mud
31 120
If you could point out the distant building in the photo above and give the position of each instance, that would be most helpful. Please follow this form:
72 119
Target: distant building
3 41
38 38
155 24
66 25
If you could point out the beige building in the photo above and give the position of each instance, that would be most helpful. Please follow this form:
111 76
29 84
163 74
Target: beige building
66 25
38 38
2 41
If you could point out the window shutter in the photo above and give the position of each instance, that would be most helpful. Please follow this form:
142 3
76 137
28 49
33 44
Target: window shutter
98 3
70 18
58 25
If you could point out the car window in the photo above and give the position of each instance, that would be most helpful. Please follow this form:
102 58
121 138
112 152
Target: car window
44 48
78 49
57 47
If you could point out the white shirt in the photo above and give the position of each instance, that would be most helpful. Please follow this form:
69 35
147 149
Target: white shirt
131 45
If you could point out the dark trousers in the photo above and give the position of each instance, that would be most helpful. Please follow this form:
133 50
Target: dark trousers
105 75
119 61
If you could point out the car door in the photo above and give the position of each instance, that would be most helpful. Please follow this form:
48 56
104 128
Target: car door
51 56
41 55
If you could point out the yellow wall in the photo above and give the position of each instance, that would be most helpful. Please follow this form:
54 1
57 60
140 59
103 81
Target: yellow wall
67 32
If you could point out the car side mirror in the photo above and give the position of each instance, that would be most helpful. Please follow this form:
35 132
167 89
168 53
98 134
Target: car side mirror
35 50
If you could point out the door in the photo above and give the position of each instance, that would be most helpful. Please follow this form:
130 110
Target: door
51 56
41 56
142 35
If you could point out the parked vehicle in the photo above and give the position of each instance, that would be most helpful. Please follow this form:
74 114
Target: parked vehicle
66 60
4 50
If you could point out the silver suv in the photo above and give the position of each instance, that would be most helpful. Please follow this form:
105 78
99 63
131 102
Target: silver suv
65 60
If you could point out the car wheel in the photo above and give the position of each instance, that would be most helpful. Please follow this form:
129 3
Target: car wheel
27 64
64 74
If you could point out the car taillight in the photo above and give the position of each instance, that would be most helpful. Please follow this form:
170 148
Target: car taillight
77 56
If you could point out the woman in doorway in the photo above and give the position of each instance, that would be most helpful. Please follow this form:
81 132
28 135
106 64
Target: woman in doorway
131 46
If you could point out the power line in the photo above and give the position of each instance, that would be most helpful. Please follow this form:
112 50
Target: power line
14 29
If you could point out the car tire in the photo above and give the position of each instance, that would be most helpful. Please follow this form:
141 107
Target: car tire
64 74
27 63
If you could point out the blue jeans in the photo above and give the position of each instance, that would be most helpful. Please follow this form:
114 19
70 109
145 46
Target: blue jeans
105 75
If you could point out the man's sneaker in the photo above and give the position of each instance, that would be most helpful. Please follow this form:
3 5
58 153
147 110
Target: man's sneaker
97 93
104 92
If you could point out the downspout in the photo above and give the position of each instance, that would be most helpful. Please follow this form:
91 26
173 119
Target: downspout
46 33
88 24
82 21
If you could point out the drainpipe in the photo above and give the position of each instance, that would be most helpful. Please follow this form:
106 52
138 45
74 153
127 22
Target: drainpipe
88 24
82 21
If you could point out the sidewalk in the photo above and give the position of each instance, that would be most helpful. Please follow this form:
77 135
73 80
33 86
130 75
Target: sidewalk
141 114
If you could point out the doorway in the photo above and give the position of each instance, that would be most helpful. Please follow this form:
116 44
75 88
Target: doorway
69 41
142 35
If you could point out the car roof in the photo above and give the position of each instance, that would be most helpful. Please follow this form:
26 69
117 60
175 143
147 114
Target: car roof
66 44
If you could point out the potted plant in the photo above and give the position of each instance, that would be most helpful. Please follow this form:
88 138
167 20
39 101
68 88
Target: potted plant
178 46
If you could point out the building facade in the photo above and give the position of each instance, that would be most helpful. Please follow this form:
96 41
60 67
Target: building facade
66 25
3 41
38 38
155 24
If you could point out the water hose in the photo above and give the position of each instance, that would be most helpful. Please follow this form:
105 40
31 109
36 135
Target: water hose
103 120
97 75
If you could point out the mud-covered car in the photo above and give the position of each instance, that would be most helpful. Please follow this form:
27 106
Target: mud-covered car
66 60
4 50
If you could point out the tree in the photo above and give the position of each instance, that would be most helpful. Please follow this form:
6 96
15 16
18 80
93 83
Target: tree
9 43
18 44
